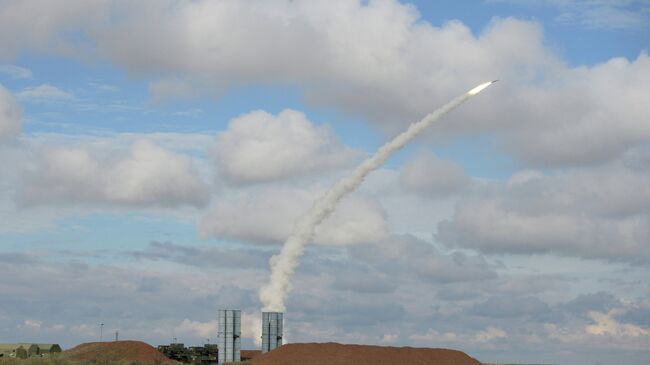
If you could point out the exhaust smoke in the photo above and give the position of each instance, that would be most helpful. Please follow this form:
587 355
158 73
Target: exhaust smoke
283 264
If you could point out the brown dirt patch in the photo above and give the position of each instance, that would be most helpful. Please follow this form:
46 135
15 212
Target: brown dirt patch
338 354
250 354
117 351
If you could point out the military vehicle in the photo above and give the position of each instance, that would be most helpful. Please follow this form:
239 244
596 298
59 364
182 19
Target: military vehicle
198 355
204 355
175 351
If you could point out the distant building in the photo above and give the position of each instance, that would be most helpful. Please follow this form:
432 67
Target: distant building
25 350
48 348
31 348
13 350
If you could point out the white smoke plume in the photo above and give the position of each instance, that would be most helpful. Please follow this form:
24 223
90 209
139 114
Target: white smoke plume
283 264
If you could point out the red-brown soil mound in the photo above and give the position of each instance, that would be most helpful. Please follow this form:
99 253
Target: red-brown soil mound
250 354
337 354
117 351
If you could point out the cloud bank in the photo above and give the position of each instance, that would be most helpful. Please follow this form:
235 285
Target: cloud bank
146 175
10 115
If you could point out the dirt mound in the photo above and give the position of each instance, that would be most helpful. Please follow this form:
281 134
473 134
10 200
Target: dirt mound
117 351
250 354
338 354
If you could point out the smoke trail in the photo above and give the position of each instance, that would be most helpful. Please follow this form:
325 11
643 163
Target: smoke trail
283 264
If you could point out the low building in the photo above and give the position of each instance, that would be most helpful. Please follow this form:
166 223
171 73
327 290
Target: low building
13 350
25 350
48 348
31 348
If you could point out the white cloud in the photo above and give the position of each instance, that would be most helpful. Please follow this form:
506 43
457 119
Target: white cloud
432 335
104 87
592 212
251 327
84 330
429 175
603 331
369 59
196 328
10 115
146 175
608 14
377 59
44 92
16 72
269 214
490 334
163 90
606 324
407 256
33 323
21 30
583 115
485 336
259 146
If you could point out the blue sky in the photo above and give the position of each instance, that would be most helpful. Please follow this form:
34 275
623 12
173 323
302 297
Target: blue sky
156 148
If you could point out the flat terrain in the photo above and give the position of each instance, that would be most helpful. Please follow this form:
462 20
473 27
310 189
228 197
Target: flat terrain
338 354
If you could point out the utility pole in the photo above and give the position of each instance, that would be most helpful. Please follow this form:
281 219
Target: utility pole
101 332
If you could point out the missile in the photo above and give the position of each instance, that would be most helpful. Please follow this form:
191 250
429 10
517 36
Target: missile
480 88
283 265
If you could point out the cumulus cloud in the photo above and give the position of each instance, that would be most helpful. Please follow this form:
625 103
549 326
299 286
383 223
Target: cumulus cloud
44 92
512 306
583 115
146 175
485 336
16 72
197 328
603 331
407 255
364 282
620 15
378 71
10 115
76 294
269 214
259 146
76 291
47 31
429 175
377 59
593 302
606 324
490 334
202 256
588 212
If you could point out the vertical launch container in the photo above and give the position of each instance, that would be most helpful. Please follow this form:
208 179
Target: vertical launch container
229 335
271 331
